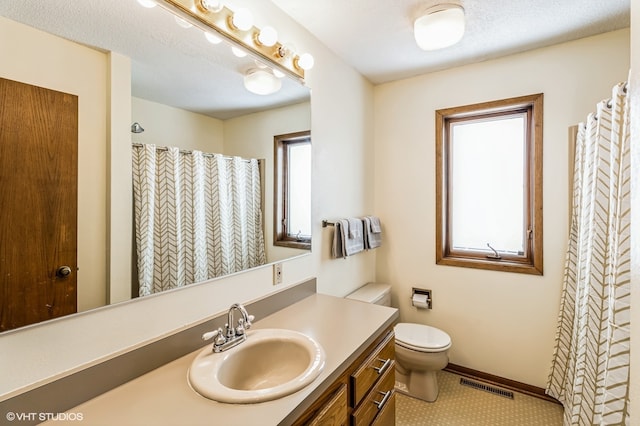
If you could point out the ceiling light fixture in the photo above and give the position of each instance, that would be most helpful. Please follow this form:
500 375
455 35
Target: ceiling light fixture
439 26
261 81
217 20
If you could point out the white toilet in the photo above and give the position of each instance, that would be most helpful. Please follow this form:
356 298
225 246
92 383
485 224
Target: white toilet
421 350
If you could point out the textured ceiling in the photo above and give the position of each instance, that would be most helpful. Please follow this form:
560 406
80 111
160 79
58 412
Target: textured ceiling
177 67
376 36
170 64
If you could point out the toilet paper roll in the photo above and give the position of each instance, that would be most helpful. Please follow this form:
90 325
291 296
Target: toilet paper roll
420 301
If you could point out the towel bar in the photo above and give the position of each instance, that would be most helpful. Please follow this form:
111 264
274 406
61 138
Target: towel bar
326 223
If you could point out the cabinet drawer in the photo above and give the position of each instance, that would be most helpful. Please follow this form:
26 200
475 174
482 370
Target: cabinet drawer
379 402
375 366
387 415
334 413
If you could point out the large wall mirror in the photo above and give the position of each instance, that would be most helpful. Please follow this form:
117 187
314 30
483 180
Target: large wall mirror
184 91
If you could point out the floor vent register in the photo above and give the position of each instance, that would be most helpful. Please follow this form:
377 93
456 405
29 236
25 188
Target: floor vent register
487 388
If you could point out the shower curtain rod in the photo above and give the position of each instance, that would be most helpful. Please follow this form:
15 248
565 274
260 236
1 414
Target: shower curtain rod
186 151
608 101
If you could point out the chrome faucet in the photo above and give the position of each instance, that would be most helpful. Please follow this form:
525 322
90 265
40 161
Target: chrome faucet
244 323
231 336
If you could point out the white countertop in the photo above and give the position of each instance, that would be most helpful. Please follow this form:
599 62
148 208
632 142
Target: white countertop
163 396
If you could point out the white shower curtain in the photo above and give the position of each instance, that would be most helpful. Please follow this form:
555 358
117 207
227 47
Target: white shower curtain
196 216
590 371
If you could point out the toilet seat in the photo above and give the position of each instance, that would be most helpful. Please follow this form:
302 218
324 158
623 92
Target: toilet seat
421 338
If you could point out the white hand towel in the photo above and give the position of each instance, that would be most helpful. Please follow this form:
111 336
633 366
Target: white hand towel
372 232
355 227
375 224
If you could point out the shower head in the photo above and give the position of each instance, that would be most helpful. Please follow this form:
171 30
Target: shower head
136 128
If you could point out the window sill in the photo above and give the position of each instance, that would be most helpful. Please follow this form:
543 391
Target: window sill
304 245
493 265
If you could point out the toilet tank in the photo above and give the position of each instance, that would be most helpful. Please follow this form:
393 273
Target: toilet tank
376 293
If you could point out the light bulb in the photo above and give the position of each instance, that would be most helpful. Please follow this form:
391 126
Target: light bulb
238 52
268 36
305 61
242 19
212 5
212 38
147 3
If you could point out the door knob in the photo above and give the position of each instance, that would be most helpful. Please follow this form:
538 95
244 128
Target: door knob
63 272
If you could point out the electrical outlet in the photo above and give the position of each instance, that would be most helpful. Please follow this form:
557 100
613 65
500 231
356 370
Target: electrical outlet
277 273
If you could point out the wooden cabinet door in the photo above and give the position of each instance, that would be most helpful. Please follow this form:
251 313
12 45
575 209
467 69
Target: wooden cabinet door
334 413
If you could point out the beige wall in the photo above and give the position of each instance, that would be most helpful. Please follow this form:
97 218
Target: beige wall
167 126
251 136
119 189
500 323
42 60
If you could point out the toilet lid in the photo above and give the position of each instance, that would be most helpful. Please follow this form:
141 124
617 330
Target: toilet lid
421 337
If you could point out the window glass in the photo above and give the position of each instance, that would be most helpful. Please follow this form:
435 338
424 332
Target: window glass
487 175
299 206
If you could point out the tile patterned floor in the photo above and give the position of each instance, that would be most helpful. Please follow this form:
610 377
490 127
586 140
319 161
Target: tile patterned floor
459 405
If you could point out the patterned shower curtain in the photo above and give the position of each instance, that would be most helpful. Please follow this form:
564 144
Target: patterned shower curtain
197 216
590 371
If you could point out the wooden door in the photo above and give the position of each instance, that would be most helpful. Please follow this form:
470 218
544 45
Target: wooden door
38 204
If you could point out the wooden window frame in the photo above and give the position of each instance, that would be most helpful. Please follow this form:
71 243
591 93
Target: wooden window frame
532 260
281 236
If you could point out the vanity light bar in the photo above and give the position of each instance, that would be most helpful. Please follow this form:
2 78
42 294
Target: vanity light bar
222 23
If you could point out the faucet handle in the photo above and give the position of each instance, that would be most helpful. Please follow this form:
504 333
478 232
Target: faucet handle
244 325
210 335
217 334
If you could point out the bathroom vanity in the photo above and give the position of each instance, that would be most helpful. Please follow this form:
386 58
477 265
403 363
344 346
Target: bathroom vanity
364 393
356 383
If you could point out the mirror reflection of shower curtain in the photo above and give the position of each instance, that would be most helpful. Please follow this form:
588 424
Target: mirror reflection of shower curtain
197 216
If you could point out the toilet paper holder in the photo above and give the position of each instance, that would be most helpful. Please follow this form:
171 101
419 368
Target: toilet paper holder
421 298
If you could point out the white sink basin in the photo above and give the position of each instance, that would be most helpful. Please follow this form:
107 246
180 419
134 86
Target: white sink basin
269 364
